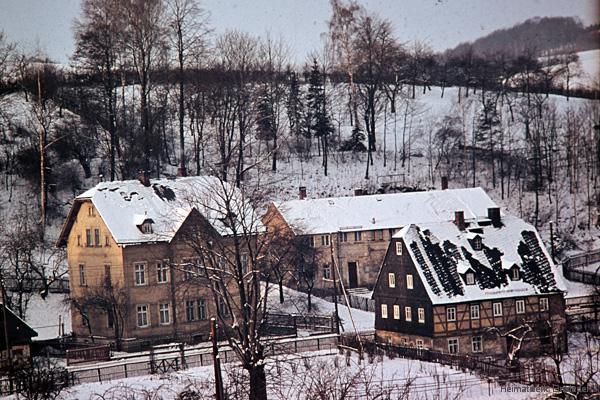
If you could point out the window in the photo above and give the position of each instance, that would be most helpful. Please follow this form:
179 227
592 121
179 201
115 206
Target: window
497 309
477 243
201 309
107 240
97 237
409 281
343 237
384 311
91 211
223 308
420 344
470 278
380 234
396 311
357 236
244 261
162 272
476 344
147 227
407 314
140 273
107 276
475 311
324 240
163 314
421 314
189 310
78 240
326 271
142 316
451 314
88 238
544 304
515 274
452 346
81 274
311 240
520 304
398 248
392 280
188 270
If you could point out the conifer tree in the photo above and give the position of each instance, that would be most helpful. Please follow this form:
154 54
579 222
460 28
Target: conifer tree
318 121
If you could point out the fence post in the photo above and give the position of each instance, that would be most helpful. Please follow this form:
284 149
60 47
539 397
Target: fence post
99 376
125 369
182 351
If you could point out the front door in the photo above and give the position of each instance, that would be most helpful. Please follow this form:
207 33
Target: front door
352 275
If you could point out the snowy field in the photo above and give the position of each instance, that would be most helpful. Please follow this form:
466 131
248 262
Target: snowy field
300 377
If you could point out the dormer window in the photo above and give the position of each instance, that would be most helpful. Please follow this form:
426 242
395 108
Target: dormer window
477 243
146 227
515 275
470 278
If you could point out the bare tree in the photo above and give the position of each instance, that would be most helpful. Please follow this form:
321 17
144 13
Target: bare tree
98 34
238 61
145 46
234 261
187 33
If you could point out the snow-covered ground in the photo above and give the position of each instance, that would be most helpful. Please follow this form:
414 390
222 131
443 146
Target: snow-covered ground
296 302
44 316
300 376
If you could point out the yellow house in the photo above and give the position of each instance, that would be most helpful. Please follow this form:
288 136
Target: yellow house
132 272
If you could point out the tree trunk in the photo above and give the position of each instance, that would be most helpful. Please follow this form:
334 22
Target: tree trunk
258 382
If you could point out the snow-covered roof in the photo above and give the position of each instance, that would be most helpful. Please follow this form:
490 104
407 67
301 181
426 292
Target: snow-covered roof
382 211
166 203
441 253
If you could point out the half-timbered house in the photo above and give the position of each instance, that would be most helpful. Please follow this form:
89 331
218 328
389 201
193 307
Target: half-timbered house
483 285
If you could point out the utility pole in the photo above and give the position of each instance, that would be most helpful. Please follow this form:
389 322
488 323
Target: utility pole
552 249
216 360
42 145
335 298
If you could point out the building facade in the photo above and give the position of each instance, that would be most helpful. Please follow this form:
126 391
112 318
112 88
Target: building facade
351 234
484 286
134 274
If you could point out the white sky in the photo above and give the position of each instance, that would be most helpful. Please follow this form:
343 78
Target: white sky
47 24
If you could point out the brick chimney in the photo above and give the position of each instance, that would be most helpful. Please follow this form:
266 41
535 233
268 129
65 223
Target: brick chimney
144 178
494 216
459 219
302 192
444 182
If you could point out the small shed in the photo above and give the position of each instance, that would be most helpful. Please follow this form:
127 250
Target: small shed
18 334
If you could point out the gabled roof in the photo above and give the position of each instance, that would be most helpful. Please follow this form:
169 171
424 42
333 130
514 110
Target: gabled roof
441 252
18 331
125 205
382 211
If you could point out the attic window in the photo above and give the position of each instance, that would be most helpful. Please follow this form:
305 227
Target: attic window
514 273
470 278
477 243
146 227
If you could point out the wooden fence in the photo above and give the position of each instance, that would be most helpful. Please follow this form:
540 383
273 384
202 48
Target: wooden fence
536 374
175 357
573 267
